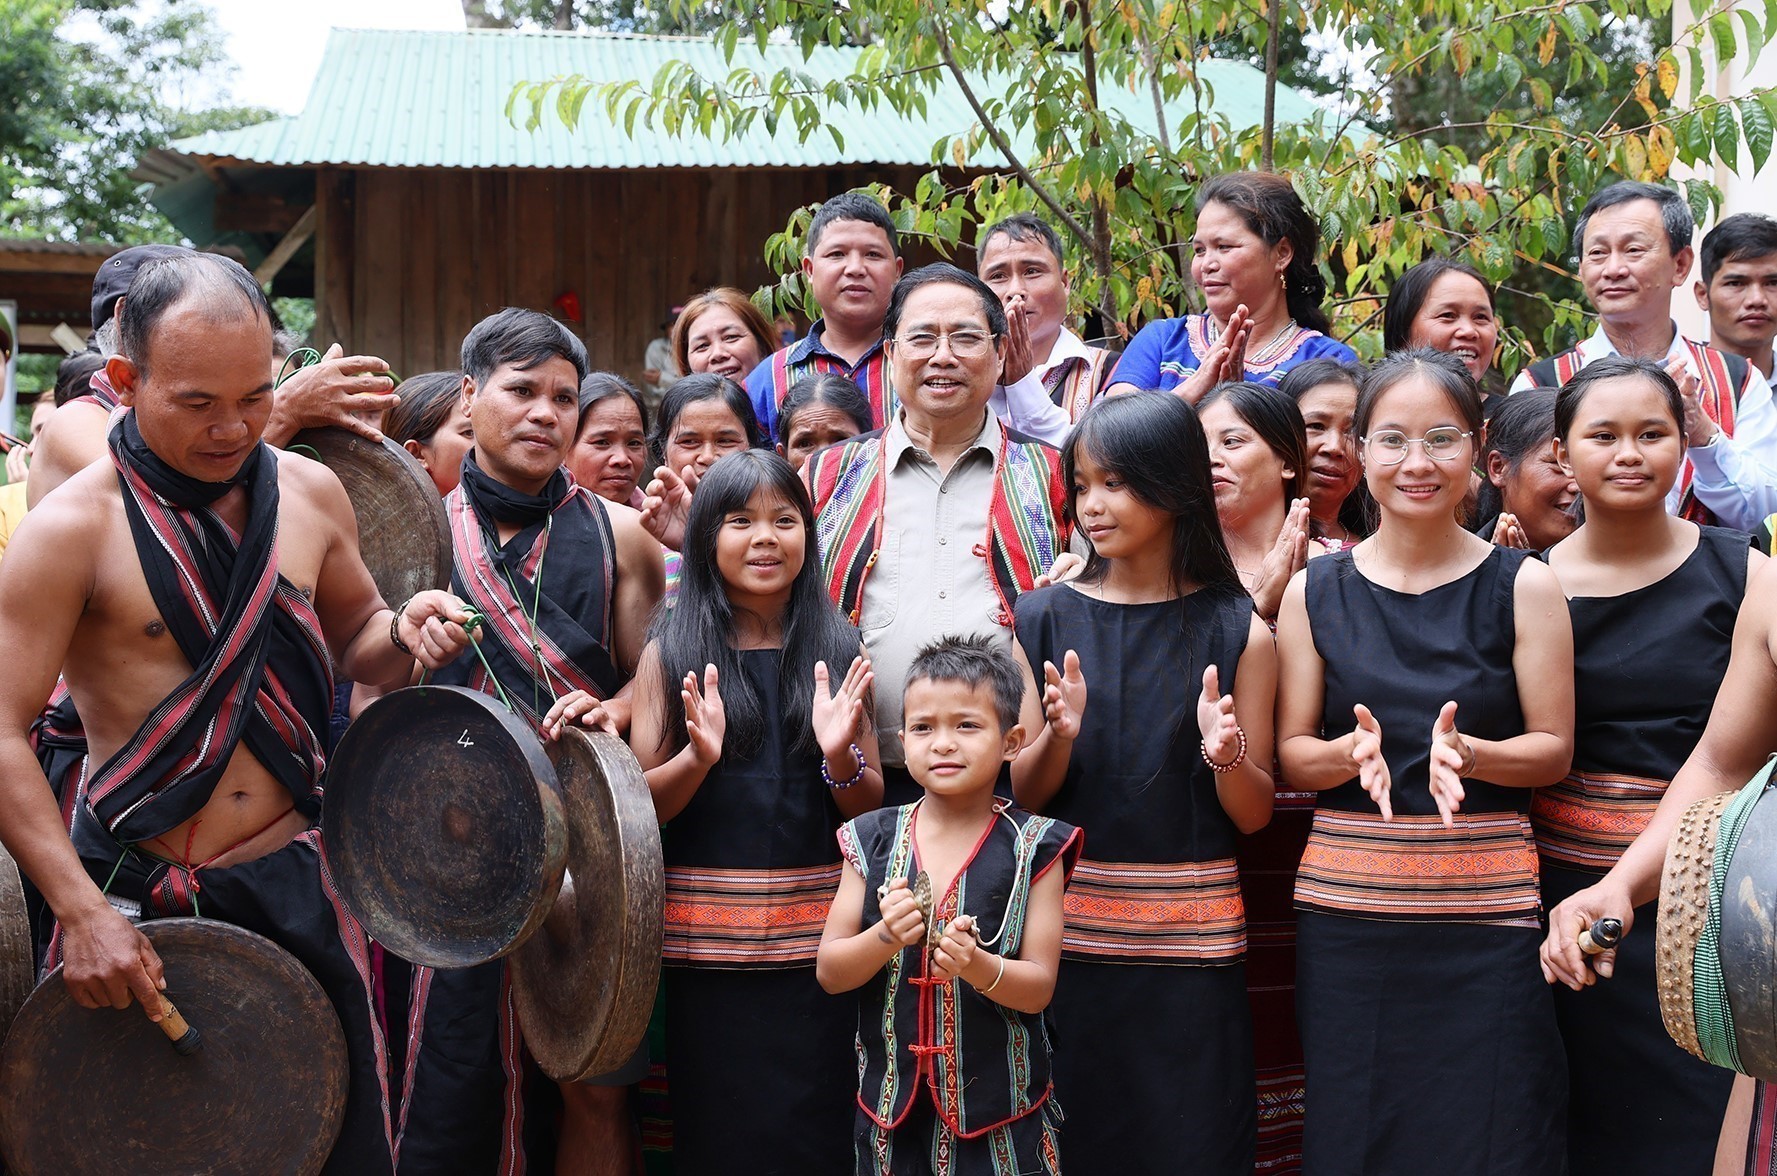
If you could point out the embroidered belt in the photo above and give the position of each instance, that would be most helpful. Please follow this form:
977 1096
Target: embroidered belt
1484 870
1588 820
1173 912
746 918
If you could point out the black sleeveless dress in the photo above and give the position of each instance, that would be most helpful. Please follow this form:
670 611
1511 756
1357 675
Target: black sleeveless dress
1154 1054
760 1065
1427 1028
1647 665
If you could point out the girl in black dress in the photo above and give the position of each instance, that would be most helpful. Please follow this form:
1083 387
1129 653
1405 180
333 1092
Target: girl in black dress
1426 690
1654 600
1154 1056
756 747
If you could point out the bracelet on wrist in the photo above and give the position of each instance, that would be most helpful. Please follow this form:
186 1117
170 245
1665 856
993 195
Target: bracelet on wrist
827 777
1467 767
1239 754
395 628
997 977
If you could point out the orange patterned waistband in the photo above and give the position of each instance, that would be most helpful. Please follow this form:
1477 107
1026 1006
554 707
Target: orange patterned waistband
1587 820
1172 912
746 918
1484 870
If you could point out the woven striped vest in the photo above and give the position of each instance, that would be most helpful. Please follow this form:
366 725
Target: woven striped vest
1026 524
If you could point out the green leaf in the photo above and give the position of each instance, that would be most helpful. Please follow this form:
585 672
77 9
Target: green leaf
1755 36
1755 120
1727 135
1721 35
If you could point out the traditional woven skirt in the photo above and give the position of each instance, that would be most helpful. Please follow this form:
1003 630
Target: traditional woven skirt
1154 1069
1636 1102
762 1070
1431 1049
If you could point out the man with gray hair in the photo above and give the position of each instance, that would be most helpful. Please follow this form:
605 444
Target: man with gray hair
1634 246
340 390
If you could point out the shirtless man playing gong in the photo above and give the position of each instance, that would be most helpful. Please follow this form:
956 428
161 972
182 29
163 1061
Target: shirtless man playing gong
192 591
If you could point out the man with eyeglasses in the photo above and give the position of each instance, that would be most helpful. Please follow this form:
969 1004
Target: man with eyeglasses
1634 247
933 526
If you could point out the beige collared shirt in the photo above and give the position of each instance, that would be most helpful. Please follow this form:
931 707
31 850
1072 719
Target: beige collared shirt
929 580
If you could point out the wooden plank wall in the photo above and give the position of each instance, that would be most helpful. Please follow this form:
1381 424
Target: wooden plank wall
410 259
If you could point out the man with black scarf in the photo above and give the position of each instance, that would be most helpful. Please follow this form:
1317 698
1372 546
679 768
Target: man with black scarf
195 593
567 583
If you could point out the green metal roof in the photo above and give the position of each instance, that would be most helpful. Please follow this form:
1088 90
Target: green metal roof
438 99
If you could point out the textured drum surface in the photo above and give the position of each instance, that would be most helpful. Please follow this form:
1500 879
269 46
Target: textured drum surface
402 531
443 825
584 984
103 1091
1749 940
1684 906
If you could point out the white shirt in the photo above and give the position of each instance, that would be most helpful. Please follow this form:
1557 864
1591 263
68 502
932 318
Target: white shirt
1026 407
1736 477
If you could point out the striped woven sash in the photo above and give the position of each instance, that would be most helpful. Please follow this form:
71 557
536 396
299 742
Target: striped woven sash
1484 870
1175 912
1587 820
746 918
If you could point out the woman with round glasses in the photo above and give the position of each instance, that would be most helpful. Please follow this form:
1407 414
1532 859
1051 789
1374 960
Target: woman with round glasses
1425 691
1253 256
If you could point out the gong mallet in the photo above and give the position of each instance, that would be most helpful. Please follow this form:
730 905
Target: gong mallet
1601 936
185 1039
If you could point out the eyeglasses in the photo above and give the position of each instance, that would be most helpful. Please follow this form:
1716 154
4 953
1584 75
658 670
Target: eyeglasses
963 344
1390 448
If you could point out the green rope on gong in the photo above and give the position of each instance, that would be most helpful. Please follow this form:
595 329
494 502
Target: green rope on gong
1710 1008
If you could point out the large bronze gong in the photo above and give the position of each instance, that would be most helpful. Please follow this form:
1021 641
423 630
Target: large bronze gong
402 532
444 826
585 983
103 1091
18 971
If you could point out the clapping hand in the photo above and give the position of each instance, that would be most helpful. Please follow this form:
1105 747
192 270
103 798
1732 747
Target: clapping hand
706 723
1288 555
1215 720
1064 696
1451 755
667 502
1225 361
838 715
1372 769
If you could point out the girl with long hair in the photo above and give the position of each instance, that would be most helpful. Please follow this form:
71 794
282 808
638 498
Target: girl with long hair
751 723
1654 601
1167 760
1253 254
1425 692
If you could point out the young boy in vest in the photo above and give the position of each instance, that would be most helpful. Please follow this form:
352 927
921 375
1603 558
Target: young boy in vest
948 919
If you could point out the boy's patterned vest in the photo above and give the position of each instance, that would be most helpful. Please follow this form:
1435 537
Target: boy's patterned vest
983 1063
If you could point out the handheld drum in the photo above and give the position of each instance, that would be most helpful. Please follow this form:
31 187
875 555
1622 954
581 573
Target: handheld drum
1716 940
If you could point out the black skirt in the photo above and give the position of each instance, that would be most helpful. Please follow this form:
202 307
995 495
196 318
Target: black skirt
1637 1103
1154 1069
1431 1048
762 1070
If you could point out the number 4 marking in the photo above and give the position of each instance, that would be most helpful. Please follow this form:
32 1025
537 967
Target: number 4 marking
463 740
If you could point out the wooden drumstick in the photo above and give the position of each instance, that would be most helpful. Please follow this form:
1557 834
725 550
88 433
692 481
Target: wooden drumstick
1601 936
185 1039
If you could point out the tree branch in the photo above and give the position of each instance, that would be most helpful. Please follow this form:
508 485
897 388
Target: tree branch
999 139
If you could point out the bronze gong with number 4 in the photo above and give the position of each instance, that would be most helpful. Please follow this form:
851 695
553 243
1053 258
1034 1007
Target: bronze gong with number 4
457 836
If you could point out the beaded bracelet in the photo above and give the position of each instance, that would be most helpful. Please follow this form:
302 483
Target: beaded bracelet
827 776
1239 756
395 628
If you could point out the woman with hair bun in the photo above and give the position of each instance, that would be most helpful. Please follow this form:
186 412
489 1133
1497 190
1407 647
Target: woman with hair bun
1253 256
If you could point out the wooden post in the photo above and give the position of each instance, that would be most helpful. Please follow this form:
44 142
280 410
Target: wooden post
334 257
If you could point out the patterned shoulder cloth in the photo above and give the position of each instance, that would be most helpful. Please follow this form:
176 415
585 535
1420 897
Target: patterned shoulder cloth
1026 526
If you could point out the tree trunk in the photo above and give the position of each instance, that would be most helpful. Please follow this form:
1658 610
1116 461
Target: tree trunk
1273 18
564 14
